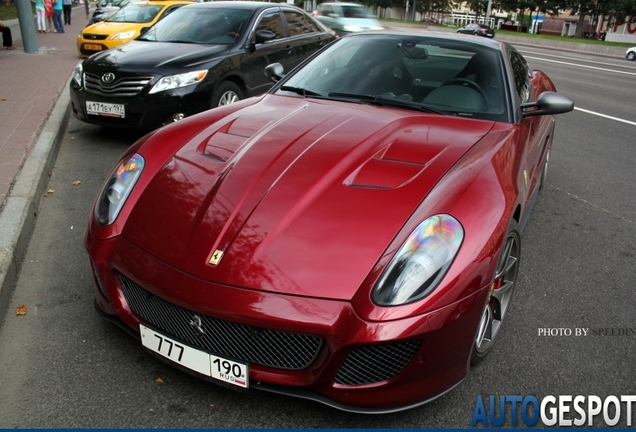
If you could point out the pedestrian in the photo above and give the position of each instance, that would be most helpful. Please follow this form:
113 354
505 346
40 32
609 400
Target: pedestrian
67 7
48 13
7 38
40 15
57 15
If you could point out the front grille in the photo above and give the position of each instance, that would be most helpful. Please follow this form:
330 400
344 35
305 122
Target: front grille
122 87
377 363
274 348
94 36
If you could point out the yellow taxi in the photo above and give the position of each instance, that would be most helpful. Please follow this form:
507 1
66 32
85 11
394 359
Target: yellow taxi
124 25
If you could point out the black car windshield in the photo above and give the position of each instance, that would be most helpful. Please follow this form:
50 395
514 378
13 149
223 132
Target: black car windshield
136 13
446 75
204 25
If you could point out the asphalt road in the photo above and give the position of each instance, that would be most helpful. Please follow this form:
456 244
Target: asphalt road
61 366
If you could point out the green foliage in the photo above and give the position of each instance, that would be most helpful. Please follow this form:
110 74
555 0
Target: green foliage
7 11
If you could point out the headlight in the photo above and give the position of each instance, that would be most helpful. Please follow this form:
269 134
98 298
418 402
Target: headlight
77 74
117 188
377 28
421 263
176 81
351 28
123 35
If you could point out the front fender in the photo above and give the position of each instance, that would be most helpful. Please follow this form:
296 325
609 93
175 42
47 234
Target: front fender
481 192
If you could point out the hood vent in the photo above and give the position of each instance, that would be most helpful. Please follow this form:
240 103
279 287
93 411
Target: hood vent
395 165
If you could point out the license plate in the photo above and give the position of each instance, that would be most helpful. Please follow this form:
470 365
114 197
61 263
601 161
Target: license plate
219 368
92 47
105 109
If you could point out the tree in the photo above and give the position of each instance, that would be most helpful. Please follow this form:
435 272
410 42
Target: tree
426 7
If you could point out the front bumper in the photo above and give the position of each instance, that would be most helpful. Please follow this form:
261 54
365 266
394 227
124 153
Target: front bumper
143 111
425 356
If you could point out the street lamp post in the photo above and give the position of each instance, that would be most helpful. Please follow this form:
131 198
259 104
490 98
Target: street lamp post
27 26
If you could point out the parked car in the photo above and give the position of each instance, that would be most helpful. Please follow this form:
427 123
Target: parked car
631 54
200 56
352 237
124 25
345 18
105 9
478 30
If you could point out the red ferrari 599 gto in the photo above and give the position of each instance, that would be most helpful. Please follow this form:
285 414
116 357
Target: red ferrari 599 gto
350 237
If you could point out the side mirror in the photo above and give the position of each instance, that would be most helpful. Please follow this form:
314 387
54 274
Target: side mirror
262 36
547 103
275 72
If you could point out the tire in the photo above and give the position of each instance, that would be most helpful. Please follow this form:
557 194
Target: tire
227 93
631 56
499 297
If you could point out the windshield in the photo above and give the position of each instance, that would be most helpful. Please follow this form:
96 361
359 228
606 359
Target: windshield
136 13
202 25
354 11
444 75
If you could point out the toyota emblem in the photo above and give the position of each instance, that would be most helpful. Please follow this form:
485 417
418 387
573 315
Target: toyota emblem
108 78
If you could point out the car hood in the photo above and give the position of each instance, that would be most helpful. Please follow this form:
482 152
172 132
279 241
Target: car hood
299 196
142 56
110 28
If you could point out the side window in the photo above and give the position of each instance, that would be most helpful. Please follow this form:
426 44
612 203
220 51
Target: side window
272 21
298 24
521 73
327 10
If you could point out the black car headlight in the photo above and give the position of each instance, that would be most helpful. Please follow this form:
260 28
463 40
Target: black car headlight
421 263
117 189
77 74
177 81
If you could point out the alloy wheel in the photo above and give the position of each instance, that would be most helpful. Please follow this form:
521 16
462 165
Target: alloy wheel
229 97
500 295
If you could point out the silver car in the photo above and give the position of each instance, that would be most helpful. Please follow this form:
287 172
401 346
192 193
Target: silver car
346 18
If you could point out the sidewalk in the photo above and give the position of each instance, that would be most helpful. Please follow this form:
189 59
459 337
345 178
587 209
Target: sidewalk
34 108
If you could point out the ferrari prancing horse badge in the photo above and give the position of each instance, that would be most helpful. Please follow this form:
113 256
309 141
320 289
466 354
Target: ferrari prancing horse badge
216 257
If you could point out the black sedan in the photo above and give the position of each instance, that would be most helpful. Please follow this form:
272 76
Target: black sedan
201 56
478 30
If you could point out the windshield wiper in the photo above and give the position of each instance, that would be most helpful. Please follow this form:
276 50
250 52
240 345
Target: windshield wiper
380 100
302 91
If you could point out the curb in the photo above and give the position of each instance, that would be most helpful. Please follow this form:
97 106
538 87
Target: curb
22 204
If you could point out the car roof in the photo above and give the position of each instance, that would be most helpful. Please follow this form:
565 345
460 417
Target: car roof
162 2
490 43
249 5
341 4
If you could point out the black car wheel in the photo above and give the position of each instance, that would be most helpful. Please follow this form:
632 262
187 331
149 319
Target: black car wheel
499 296
227 93
631 56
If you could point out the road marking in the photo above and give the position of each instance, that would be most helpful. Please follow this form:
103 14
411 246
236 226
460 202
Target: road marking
606 116
580 65
586 58
578 198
